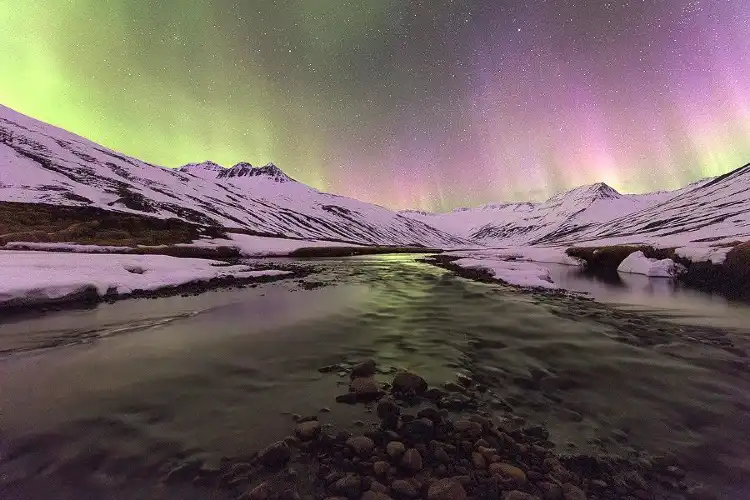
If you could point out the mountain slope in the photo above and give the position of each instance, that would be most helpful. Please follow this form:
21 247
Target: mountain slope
704 212
40 163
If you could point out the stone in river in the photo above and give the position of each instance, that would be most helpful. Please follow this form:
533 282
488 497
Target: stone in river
308 430
364 369
409 382
388 409
276 454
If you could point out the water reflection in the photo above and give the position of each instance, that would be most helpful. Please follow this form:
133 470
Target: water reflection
661 296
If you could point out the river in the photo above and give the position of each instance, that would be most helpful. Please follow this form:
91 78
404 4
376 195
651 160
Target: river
136 383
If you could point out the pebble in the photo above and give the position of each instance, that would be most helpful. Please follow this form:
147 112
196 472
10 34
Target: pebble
468 427
349 485
403 489
412 460
361 445
387 409
446 489
395 449
478 460
308 430
373 495
380 468
572 492
276 455
510 471
519 495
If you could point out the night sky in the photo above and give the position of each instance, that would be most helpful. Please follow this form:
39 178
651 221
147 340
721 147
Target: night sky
408 103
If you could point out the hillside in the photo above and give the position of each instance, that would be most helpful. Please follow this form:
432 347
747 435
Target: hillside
40 163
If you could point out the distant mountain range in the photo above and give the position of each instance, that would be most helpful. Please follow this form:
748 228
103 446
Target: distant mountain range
40 163
706 211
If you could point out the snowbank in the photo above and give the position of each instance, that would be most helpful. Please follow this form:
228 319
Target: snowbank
261 246
715 255
33 277
549 255
518 273
638 263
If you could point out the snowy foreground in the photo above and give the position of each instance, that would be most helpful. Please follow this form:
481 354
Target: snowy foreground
30 278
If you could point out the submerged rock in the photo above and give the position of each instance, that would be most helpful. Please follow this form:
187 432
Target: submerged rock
406 382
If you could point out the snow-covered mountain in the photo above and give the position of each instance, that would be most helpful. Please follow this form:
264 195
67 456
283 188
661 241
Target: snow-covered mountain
40 163
707 210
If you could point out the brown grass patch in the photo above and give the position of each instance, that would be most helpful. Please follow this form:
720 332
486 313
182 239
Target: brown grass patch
43 223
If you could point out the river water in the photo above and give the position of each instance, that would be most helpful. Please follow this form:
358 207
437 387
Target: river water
113 393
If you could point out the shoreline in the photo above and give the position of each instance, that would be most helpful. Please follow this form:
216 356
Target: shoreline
89 298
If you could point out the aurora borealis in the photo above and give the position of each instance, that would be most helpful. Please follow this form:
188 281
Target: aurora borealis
408 103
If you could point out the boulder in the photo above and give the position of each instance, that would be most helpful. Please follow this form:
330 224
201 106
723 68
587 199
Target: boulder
364 369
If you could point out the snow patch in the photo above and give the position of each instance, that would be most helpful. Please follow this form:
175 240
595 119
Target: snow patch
519 273
638 263
32 277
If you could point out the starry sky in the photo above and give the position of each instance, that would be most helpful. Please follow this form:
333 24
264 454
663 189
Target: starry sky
428 104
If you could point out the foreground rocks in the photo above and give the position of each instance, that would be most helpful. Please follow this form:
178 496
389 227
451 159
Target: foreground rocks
419 449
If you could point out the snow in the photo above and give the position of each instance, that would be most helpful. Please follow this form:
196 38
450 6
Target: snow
63 247
638 263
523 274
260 246
549 255
39 276
715 255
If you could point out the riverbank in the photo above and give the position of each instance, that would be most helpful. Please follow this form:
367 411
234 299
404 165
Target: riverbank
44 281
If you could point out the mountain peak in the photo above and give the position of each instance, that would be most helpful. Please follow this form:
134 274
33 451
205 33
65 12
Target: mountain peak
597 191
243 169
205 166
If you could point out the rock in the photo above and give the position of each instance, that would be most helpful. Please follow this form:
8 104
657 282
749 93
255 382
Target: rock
508 470
550 491
349 398
259 492
276 455
467 427
328 369
374 495
453 387
380 468
519 495
364 369
456 401
388 409
446 489
635 481
349 485
364 386
325 409
572 492
395 449
478 460
434 394
419 427
403 489
409 382
361 445
378 487
412 460
290 495
308 430
442 456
